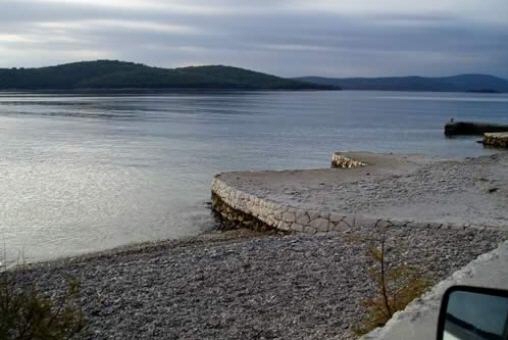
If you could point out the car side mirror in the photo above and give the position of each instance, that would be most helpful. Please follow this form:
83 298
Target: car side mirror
473 313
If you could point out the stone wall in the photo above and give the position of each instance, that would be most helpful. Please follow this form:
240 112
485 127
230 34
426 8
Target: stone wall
499 139
231 218
341 161
239 208
272 214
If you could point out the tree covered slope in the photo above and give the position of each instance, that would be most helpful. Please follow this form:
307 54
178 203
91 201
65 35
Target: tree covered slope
102 74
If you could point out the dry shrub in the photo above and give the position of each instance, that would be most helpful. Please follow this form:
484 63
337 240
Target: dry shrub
397 283
26 314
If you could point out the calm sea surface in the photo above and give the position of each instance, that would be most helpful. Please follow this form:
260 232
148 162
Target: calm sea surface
85 172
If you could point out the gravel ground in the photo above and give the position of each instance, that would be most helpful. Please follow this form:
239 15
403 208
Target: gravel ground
249 286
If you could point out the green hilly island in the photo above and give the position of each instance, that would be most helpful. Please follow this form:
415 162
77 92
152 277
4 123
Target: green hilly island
112 74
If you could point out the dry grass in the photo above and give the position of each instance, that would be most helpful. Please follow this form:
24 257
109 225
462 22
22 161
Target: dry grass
26 314
397 284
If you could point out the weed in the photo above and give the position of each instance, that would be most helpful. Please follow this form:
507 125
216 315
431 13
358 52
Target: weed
397 283
27 314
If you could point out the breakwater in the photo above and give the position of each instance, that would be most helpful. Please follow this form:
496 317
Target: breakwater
472 128
316 201
499 139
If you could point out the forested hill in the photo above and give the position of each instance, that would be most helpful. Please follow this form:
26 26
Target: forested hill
109 74
459 83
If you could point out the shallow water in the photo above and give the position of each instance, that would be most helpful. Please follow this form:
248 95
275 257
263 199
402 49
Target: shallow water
85 172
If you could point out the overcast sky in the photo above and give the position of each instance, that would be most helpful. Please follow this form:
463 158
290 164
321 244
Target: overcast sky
287 38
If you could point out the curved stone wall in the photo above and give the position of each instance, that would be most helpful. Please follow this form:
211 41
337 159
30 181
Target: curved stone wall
228 201
239 208
231 218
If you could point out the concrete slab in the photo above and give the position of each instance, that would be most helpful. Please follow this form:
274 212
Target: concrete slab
471 192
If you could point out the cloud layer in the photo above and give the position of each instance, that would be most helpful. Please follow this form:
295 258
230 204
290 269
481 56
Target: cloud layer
288 38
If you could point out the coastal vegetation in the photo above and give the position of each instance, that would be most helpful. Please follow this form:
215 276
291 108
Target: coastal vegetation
112 74
397 283
479 83
28 314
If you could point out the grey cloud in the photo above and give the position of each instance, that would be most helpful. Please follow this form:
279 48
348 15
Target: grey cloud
282 39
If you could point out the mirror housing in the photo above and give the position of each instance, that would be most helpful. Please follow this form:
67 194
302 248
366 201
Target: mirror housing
473 313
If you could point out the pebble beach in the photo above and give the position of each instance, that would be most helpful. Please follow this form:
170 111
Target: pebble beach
243 285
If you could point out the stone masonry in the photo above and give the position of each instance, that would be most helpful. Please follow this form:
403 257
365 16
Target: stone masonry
239 208
341 161
497 139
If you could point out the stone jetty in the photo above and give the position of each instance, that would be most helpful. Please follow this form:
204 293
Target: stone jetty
496 139
367 190
472 128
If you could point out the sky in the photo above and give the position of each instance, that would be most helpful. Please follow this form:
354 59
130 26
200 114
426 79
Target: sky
340 38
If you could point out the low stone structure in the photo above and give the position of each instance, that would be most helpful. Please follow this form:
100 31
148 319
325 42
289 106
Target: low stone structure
496 139
339 160
231 218
472 128
240 209
274 199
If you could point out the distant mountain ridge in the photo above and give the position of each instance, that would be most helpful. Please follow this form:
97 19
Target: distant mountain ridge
458 83
112 74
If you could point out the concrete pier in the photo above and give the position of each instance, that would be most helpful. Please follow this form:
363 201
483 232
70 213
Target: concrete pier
366 190
472 128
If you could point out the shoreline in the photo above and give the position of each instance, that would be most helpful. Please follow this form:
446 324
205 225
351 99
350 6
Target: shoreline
277 283
211 236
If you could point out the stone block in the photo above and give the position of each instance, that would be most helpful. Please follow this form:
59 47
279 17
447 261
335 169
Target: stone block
288 216
283 225
337 227
309 230
297 227
320 224
314 214
303 218
336 217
